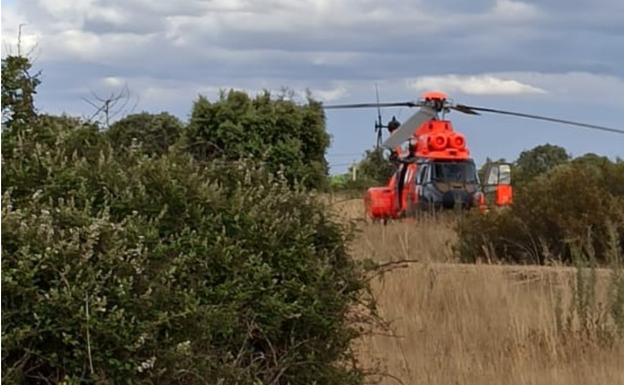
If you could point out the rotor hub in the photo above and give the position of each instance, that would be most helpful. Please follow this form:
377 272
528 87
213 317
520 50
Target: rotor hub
434 95
436 100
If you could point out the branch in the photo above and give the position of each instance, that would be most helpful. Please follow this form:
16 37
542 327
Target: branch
383 268
88 335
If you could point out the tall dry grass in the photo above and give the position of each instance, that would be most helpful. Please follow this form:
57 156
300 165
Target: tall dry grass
485 324
477 324
427 239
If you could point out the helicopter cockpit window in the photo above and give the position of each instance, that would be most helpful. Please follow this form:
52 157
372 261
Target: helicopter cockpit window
492 177
421 176
464 172
499 174
504 174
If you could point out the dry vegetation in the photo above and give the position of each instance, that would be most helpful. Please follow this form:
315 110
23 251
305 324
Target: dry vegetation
477 324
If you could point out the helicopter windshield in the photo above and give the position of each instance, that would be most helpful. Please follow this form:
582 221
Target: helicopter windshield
462 172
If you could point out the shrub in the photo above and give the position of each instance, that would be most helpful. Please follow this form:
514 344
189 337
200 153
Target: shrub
564 207
376 167
290 138
538 161
140 269
155 132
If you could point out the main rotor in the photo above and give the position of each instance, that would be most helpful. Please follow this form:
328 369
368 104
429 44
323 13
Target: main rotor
432 104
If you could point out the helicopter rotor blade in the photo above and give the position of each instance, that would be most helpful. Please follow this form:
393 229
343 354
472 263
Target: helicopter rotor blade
464 109
405 131
472 110
369 105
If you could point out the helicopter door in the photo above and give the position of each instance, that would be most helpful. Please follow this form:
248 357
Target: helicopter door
498 184
402 175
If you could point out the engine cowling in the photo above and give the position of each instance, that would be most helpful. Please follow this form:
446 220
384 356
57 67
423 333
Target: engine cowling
438 142
457 141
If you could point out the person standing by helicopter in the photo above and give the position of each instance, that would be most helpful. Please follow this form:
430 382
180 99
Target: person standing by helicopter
392 126
395 157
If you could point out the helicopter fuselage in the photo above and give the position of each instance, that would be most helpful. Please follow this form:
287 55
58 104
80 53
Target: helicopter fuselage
426 184
436 172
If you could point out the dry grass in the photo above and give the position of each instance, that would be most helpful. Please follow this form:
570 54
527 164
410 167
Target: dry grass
474 324
427 240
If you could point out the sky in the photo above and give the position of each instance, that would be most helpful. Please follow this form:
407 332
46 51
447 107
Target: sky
561 58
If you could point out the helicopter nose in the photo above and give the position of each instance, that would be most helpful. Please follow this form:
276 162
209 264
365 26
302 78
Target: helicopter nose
454 198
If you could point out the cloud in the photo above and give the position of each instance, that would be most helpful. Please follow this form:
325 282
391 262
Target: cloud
171 50
515 10
328 95
113 82
474 85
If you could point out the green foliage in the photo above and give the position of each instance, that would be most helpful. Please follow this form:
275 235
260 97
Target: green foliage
154 132
376 166
139 269
375 169
290 138
595 317
18 89
62 135
551 213
537 161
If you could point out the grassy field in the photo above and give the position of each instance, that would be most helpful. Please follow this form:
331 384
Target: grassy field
476 324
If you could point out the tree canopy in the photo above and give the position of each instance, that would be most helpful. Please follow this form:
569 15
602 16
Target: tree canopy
287 137
18 89
539 160
154 132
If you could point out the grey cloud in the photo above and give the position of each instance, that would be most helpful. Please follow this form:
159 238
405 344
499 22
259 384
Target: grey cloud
180 48
396 38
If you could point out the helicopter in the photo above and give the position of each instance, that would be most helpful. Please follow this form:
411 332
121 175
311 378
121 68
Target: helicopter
435 171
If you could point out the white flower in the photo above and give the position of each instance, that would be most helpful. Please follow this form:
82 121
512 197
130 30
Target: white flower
147 364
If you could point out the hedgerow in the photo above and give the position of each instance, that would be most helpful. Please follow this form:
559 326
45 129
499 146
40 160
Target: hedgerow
132 268
573 205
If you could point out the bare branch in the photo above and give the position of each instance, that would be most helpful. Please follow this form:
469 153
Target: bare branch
108 108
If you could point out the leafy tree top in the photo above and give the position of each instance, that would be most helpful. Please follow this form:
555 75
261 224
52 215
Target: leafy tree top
18 88
288 137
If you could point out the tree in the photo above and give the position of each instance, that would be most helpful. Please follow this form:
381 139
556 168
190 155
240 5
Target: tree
288 137
376 166
374 169
18 90
539 160
154 132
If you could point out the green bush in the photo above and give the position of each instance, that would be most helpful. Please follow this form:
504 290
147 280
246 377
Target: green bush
375 169
289 138
554 211
155 133
18 89
139 269
537 161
